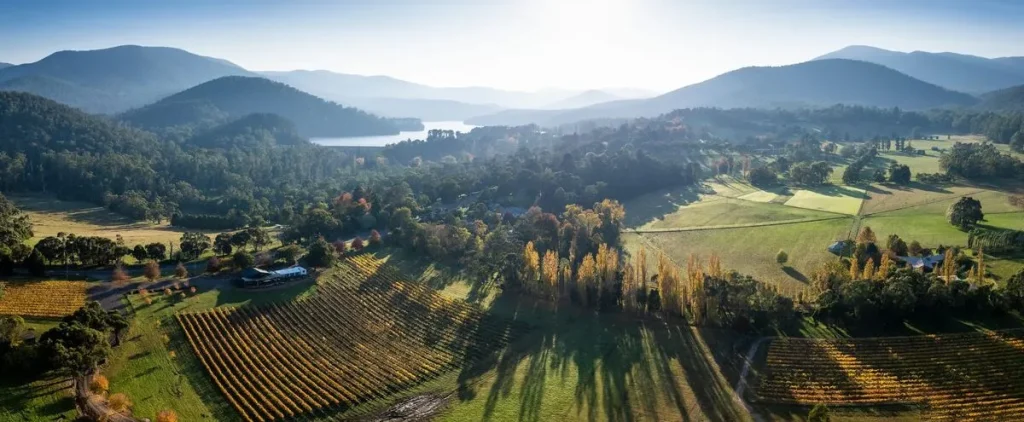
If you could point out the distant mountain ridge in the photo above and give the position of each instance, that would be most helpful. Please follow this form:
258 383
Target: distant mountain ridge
959 72
115 79
584 99
237 96
814 83
3 65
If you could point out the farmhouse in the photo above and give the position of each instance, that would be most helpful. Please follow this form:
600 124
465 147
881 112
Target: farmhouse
255 277
922 262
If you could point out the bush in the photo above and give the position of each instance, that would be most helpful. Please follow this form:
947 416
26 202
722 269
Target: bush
289 253
99 384
782 257
243 259
119 274
180 271
119 402
340 246
375 240
213 265
151 270
357 244
321 254
167 416
762 176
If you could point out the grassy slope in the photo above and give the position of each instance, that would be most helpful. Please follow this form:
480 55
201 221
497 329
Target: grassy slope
732 211
143 368
47 399
752 250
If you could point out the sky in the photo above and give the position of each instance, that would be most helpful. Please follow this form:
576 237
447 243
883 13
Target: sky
657 45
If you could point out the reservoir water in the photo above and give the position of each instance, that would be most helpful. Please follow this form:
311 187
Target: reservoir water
379 141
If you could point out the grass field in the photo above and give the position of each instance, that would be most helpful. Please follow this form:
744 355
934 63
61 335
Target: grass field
835 199
48 399
729 211
51 216
751 250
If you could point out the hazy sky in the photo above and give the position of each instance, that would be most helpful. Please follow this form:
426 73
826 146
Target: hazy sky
515 44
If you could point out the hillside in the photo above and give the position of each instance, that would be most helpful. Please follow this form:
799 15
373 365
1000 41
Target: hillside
814 83
237 96
959 72
347 87
1009 99
423 109
253 130
3 65
115 79
584 99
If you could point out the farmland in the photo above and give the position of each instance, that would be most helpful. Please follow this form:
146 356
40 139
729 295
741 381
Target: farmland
51 216
339 348
972 376
42 299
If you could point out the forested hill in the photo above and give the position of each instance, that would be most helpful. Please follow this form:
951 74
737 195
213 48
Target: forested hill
1009 99
815 83
125 76
237 96
254 130
959 72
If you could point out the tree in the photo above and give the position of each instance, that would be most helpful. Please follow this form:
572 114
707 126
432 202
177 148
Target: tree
782 257
899 174
11 328
151 270
35 264
321 253
1017 141
74 347
289 253
866 235
213 264
241 239
851 175
119 402
180 271
156 251
242 259
819 413
258 237
531 266
193 244
879 176
119 275
1015 290
374 239
965 212
896 245
762 177
15 226
340 246
357 244
222 244
139 253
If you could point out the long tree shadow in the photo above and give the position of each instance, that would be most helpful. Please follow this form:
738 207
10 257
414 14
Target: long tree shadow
618 368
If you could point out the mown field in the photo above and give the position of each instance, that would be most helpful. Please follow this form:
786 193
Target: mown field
51 216
746 226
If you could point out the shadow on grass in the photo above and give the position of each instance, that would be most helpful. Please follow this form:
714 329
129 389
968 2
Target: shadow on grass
795 273
834 190
617 366
656 206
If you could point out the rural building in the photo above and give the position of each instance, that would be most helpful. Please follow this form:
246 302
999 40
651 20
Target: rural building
255 277
922 262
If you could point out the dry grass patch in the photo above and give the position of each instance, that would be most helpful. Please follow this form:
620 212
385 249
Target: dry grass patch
837 199
51 216
884 198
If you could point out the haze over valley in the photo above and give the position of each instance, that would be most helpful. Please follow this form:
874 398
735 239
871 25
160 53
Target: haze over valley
512 210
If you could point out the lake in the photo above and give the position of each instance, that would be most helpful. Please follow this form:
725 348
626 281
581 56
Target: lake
379 141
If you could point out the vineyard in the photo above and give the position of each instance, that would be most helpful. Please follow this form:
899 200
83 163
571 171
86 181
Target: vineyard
975 376
364 335
42 299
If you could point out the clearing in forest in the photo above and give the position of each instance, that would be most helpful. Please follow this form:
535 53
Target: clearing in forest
50 216
42 299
